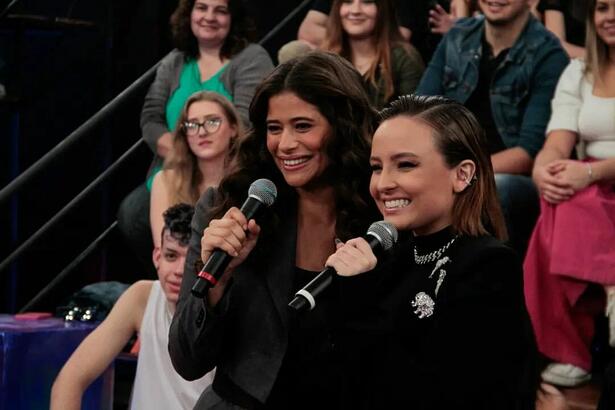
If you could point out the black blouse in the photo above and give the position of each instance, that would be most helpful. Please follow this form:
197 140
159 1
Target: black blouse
451 336
310 374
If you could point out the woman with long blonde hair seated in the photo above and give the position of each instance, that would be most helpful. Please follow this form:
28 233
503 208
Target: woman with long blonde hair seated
206 131
570 263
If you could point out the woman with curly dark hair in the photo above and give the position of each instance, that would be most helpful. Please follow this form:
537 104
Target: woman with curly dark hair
312 126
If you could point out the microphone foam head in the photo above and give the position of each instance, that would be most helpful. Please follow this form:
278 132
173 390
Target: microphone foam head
385 232
264 190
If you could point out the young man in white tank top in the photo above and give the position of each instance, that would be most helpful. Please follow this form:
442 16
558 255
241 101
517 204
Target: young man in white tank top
145 308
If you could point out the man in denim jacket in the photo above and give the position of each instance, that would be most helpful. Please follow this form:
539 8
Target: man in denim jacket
504 67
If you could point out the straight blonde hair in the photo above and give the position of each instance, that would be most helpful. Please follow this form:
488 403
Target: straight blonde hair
596 50
182 161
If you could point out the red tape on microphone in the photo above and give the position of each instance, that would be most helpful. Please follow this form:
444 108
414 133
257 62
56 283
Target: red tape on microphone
208 277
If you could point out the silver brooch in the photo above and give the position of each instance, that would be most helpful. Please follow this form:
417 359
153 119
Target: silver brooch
424 305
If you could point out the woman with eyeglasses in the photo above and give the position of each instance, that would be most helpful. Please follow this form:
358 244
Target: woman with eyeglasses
214 52
207 129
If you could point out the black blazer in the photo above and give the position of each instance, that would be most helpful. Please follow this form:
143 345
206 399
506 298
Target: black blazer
246 335
476 351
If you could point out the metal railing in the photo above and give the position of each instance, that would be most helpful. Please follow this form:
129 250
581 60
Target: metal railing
81 132
8 8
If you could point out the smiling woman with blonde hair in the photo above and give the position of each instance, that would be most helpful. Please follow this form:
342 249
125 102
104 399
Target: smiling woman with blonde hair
570 263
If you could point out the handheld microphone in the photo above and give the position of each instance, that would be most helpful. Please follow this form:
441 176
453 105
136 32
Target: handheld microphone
381 235
262 192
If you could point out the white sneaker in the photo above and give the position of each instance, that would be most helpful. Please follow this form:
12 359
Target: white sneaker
610 313
565 375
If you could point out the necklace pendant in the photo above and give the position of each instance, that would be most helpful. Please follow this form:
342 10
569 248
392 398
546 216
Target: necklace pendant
424 305
441 262
440 280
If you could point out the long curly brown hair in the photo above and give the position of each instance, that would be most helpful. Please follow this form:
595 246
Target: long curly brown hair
330 83
241 33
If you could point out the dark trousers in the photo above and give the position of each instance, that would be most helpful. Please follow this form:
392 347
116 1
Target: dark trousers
134 226
519 199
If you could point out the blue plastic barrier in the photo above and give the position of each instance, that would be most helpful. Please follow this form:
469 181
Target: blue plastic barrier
32 353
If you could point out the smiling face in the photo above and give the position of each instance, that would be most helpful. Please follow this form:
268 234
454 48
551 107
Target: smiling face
169 262
210 21
604 20
504 12
209 145
296 135
358 17
411 183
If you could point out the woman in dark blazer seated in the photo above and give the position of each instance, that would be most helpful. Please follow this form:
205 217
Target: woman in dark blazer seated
440 322
312 130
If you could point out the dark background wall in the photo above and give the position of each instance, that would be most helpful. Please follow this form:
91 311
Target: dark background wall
60 68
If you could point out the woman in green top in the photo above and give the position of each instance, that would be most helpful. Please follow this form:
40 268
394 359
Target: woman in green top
366 33
214 53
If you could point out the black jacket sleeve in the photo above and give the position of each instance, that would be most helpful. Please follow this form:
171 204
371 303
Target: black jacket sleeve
197 331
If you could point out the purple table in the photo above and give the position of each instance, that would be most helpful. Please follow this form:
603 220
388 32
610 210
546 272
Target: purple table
31 355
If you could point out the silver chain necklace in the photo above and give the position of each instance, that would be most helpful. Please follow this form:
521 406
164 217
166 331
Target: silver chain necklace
431 256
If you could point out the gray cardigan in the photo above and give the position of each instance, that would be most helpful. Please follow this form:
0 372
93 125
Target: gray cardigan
244 72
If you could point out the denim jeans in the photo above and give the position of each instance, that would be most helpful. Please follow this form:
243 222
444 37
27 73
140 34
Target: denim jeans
520 205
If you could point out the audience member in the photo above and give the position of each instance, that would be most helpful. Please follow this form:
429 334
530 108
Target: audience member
313 29
312 128
207 131
411 15
566 19
571 255
214 53
441 22
446 328
366 34
145 308
504 68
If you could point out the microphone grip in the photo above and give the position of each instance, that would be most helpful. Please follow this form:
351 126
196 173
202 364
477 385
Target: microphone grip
211 272
305 298
219 260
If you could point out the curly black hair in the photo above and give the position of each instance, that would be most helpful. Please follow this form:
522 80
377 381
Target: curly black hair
331 84
242 31
177 221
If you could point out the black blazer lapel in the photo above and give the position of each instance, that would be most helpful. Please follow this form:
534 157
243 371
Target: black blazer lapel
280 268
